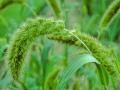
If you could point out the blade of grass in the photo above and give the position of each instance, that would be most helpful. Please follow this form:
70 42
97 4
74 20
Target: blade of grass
72 68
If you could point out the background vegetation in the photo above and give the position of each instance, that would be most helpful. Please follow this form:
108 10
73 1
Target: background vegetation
51 65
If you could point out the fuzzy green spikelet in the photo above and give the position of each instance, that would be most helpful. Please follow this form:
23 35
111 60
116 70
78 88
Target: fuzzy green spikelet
110 14
24 38
98 51
54 30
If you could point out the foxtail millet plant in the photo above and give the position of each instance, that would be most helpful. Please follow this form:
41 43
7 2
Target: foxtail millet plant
109 15
54 30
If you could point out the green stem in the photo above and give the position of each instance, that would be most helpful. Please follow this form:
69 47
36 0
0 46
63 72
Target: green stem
56 7
6 3
109 15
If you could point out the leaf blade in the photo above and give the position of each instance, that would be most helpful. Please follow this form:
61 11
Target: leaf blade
72 68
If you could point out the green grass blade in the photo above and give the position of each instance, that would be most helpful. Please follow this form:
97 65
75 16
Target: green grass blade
72 68
103 75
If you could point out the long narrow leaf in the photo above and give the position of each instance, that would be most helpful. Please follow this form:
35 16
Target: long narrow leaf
72 68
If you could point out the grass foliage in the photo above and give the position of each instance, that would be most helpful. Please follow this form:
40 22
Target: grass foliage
86 55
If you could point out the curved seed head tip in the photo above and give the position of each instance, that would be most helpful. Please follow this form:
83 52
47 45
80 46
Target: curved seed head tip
55 30
24 37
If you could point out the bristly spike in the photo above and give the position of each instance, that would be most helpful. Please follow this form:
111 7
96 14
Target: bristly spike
54 30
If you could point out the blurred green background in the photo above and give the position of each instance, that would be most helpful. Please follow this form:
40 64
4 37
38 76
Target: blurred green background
47 59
